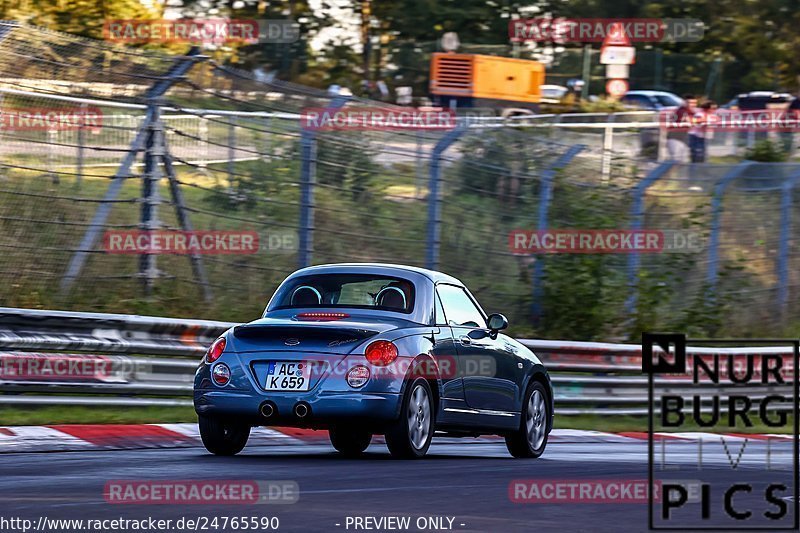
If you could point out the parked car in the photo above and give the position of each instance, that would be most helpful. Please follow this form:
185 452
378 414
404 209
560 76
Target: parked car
553 93
365 349
757 100
651 100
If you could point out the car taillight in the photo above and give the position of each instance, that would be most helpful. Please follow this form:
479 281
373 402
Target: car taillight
321 317
381 353
215 351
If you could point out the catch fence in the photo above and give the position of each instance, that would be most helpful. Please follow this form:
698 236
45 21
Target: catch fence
187 144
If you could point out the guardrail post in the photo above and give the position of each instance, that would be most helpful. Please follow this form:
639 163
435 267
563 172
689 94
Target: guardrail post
637 214
308 170
545 197
716 213
87 244
783 245
435 195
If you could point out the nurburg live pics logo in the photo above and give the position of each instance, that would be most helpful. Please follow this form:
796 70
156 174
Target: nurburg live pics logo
731 386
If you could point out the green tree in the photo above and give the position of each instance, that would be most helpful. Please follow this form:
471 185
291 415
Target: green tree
80 17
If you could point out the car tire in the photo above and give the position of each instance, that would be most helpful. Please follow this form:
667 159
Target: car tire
222 438
530 440
410 437
349 441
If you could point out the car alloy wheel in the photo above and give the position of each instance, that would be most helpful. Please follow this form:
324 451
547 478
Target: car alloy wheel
536 420
530 440
410 436
419 417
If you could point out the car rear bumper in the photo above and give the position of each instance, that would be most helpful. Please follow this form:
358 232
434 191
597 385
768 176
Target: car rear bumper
325 407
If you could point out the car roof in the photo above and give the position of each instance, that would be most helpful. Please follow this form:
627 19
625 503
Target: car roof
652 93
378 268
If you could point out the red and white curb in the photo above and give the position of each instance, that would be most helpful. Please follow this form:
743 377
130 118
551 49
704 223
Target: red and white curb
139 436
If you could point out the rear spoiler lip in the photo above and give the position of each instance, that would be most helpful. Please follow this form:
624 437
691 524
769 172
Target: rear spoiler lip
310 329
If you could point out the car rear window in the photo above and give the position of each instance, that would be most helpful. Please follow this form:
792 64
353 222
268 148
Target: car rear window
667 100
362 291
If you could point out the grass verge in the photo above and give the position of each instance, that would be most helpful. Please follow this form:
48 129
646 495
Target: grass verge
615 424
46 415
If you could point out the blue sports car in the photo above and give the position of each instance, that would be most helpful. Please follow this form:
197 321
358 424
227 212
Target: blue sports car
365 349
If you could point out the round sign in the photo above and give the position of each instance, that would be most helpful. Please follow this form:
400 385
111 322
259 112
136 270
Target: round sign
616 87
450 42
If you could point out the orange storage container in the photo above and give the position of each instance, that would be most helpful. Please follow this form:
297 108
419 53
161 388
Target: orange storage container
486 77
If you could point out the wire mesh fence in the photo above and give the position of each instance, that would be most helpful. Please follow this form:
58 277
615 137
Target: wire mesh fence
186 146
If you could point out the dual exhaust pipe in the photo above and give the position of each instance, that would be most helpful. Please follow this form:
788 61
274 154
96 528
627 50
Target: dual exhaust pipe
301 409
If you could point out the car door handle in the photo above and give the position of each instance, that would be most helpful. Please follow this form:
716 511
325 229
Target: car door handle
465 340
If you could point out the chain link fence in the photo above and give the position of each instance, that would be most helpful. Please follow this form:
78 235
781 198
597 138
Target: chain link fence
144 142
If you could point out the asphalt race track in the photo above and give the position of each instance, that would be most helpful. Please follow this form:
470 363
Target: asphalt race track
467 482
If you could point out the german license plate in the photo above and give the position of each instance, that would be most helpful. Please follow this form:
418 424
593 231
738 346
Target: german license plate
288 376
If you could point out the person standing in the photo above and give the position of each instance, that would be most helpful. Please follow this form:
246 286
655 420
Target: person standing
699 131
792 124
677 136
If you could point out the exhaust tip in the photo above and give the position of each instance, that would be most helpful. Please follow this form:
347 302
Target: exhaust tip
301 410
267 409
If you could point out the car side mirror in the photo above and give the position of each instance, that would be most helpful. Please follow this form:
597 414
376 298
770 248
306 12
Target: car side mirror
497 322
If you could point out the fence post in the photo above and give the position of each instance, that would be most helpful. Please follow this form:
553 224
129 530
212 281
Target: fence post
608 146
662 153
81 144
202 132
435 195
268 142
637 214
783 245
181 67
716 213
231 150
51 156
418 166
308 170
545 197
154 152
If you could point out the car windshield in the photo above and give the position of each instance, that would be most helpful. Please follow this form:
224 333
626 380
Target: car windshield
365 291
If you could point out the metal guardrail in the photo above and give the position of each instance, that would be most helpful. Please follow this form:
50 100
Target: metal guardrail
67 358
